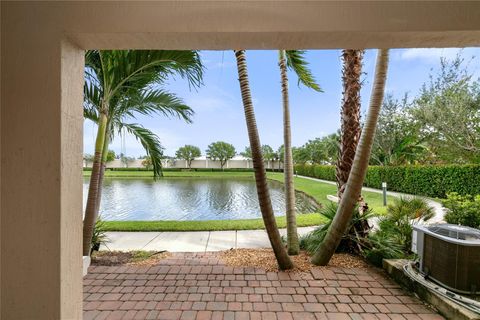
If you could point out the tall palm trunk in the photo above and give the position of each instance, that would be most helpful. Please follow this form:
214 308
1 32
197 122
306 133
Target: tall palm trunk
350 115
360 164
103 166
281 255
292 235
91 209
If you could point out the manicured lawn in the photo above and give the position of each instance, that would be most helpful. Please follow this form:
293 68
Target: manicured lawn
303 220
319 191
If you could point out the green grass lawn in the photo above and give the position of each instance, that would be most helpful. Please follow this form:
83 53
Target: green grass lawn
319 191
315 189
303 220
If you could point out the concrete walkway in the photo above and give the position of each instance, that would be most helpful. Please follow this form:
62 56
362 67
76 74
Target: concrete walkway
192 241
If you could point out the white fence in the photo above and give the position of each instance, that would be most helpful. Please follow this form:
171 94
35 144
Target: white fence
235 163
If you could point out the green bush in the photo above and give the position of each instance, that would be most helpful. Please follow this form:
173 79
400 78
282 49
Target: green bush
351 242
431 181
393 239
464 210
99 235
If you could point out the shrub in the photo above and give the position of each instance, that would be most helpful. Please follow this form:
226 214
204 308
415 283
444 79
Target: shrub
464 210
382 246
352 241
430 181
99 235
393 239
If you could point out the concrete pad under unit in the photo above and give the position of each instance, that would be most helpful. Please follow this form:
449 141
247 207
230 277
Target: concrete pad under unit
127 241
179 242
222 240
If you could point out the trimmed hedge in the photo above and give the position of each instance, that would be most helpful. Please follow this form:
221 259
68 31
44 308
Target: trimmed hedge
430 181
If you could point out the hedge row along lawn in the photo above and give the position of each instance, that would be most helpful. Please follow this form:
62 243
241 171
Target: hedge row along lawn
317 190
431 181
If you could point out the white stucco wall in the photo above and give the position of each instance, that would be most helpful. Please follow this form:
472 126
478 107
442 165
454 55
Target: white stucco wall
196 164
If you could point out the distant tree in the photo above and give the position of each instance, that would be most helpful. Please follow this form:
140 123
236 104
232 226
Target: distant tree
281 153
111 155
280 156
247 153
126 160
221 151
268 153
331 144
88 157
188 153
318 151
448 111
147 162
315 151
300 155
397 138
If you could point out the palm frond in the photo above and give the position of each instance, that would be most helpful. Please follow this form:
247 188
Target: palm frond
153 101
297 62
150 142
90 113
141 68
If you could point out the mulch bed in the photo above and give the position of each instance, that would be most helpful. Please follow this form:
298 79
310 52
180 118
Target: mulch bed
257 258
265 259
115 258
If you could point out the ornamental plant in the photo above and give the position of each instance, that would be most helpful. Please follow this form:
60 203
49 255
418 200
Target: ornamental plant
463 210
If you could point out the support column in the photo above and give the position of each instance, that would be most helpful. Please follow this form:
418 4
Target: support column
41 195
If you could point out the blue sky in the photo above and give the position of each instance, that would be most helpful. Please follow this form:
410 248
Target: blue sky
219 111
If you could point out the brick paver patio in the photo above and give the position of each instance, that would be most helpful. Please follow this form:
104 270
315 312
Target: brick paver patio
200 286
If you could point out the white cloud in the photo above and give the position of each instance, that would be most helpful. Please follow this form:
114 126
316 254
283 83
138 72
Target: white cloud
206 103
431 55
209 99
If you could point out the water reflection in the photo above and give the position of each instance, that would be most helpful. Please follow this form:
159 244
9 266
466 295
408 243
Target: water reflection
189 199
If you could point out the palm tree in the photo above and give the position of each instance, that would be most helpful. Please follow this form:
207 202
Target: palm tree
283 260
350 115
120 85
360 164
294 60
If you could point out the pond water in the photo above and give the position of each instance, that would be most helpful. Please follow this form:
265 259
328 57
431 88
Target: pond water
189 199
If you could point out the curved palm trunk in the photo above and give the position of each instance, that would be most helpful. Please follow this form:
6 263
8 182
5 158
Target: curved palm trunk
292 235
350 115
360 164
281 255
103 165
91 209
